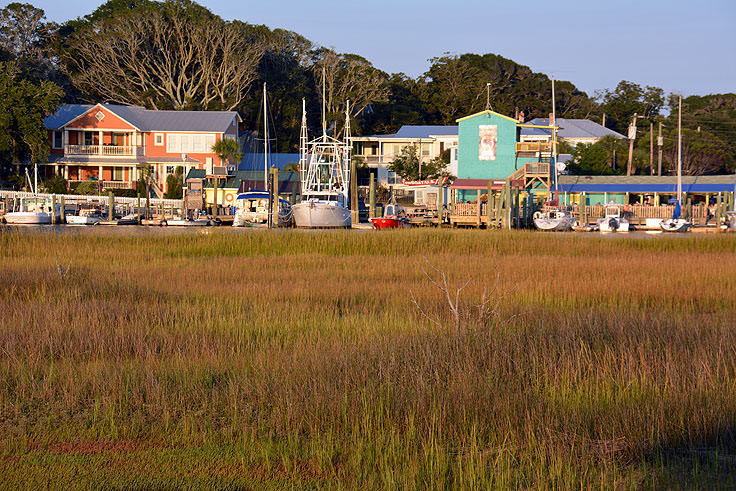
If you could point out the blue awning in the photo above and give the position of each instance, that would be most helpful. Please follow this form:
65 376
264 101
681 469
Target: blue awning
699 188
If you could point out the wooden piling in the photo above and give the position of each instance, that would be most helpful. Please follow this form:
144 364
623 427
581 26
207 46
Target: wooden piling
214 197
440 203
138 207
583 210
275 197
372 197
491 202
110 206
53 209
354 212
477 211
62 205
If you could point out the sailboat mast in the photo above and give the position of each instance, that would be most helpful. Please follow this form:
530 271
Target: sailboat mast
348 146
554 135
303 139
679 151
324 107
265 139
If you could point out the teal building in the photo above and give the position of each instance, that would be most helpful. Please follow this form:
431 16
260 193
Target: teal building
487 148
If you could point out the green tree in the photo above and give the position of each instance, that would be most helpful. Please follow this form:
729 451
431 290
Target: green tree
629 98
174 184
55 185
407 165
23 106
598 158
228 150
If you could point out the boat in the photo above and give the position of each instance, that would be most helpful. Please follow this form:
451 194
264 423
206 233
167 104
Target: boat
613 221
129 219
677 223
324 166
394 216
557 220
201 221
34 210
253 207
86 216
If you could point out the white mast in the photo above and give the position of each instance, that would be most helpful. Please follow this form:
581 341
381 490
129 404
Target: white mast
324 107
679 152
35 178
303 140
347 142
265 139
554 135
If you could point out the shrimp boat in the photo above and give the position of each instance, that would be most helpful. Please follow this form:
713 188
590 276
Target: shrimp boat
324 166
677 223
394 216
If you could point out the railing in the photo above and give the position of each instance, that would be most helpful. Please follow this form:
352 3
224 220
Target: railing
639 211
78 198
531 170
107 184
533 147
106 150
469 209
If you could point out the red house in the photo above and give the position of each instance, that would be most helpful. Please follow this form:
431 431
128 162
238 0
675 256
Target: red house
112 144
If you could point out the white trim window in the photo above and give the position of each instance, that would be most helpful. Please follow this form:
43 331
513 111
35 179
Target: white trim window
58 139
189 143
158 139
172 141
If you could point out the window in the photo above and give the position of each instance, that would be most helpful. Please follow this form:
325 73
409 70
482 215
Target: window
89 138
170 169
173 143
184 142
158 139
117 173
426 148
58 139
209 140
197 143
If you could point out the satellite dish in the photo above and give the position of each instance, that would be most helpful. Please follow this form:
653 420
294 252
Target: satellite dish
183 157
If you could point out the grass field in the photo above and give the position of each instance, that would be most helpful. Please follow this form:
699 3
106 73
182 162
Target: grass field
337 360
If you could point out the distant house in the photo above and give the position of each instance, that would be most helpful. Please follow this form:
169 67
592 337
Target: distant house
378 151
112 144
571 131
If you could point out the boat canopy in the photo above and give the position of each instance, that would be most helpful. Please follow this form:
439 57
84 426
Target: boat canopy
258 195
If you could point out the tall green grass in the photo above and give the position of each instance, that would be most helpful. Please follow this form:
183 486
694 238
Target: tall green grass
298 359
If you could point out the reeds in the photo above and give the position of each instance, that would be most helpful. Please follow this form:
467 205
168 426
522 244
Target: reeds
298 359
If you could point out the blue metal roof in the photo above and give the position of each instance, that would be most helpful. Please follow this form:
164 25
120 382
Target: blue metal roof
150 120
646 184
570 128
419 131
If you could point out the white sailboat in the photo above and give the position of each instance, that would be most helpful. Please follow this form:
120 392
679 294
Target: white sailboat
324 165
677 223
34 210
557 219
253 207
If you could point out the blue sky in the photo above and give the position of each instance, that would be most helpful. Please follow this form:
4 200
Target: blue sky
685 47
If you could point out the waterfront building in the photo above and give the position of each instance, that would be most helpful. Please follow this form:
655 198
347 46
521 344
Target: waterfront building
113 145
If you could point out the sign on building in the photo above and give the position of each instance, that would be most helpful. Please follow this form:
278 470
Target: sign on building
488 134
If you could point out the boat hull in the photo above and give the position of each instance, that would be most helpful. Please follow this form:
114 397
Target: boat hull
200 222
674 225
613 225
78 220
385 223
553 224
311 214
27 218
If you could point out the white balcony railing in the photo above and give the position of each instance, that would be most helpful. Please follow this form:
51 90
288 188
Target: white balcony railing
106 150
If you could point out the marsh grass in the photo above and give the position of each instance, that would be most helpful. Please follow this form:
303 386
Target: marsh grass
295 359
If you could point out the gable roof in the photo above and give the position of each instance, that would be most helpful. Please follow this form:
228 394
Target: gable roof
425 131
487 112
149 120
570 128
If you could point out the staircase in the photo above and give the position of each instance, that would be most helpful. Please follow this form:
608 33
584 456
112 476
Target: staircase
531 173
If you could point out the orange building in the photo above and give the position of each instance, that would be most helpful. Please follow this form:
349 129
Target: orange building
113 144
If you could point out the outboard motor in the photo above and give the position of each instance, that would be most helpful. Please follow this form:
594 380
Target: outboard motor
613 223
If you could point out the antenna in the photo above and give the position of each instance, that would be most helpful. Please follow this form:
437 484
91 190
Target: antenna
265 139
488 96
679 150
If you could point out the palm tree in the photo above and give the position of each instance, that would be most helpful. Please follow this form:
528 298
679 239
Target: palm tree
227 149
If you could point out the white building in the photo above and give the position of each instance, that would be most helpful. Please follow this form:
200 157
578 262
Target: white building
378 151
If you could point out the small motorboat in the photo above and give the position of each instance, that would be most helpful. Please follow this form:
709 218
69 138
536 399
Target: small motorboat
200 220
252 208
676 223
613 221
33 210
554 220
86 216
394 216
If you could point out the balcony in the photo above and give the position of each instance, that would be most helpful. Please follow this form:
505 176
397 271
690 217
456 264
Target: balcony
533 147
108 184
103 150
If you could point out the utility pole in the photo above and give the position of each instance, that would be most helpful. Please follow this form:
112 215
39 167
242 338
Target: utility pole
632 137
660 142
651 147
603 123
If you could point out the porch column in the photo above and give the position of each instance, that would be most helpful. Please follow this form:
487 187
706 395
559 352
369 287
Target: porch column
66 172
99 175
65 139
99 147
